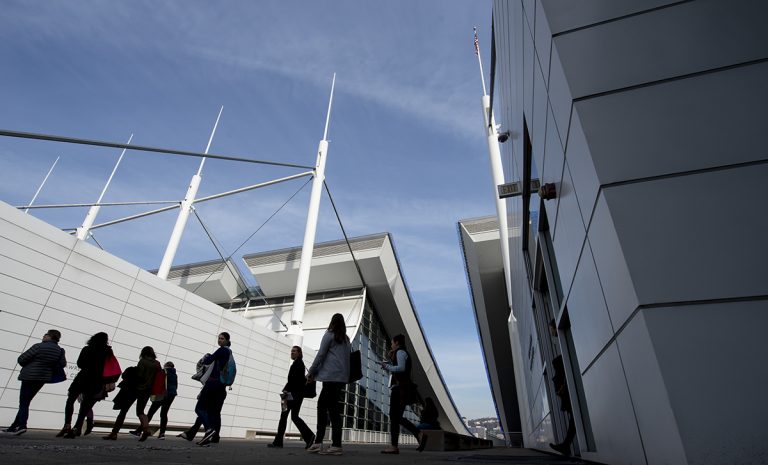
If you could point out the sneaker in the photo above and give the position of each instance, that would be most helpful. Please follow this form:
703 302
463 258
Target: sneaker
185 435
161 436
63 431
391 450
310 442
10 430
209 435
144 436
315 448
333 450
135 432
20 430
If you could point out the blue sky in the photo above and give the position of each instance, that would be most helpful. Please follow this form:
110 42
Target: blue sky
407 153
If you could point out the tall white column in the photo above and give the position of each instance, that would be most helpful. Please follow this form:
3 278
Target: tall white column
497 174
186 206
295 330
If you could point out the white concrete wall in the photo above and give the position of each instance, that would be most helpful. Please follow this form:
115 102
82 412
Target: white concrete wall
48 279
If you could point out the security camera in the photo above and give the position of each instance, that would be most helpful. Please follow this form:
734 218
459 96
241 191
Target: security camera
503 137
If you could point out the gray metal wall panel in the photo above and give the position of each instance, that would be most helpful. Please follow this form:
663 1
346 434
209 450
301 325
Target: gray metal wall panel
564 15
655 416
712 359
579 160
612 268
590 323
617 438
700 122
560 96
695 237
543 37
570 233
686 38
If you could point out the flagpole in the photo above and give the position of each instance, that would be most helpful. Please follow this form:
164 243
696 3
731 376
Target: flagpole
497 174
480 61
41 185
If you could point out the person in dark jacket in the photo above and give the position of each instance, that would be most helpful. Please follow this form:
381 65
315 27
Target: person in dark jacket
37 367
402 392
89 383
136 388
293 394
164 404
214 392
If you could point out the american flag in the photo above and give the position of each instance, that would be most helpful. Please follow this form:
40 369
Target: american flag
477 43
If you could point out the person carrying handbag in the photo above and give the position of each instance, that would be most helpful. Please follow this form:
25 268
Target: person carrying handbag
331 367
293 392
89 383
39 363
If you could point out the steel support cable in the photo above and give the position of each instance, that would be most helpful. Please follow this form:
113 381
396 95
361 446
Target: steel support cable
259 228
238 278
142 148
251 236
200 200
338 218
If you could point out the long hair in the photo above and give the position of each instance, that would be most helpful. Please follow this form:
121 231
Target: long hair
148 352
338 328
98 340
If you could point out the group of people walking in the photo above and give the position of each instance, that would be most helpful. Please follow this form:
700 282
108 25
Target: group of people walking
332 367
44 362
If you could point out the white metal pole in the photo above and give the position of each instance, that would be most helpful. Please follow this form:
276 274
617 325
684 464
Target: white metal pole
82 231
497 174
186 205
295 330
42 184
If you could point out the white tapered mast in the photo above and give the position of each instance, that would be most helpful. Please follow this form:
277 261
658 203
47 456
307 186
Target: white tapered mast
186 206
497 174
41 185
82 231
295 331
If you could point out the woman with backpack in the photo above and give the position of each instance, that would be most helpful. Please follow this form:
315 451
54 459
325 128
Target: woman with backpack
136 387
89 383
331 366
164 403
211 398
38 365
295 389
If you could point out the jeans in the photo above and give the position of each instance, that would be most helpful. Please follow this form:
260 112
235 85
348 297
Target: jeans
396 409
209 404
293 408
163 405
29 390
329 403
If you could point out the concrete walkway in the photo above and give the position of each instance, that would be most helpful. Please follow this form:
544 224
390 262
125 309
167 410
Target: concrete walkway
40 447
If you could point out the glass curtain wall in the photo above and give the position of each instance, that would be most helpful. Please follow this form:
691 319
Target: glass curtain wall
366 403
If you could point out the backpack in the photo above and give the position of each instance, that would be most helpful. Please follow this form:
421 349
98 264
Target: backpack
228 371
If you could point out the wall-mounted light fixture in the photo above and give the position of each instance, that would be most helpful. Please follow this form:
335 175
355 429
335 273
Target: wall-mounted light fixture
548 191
